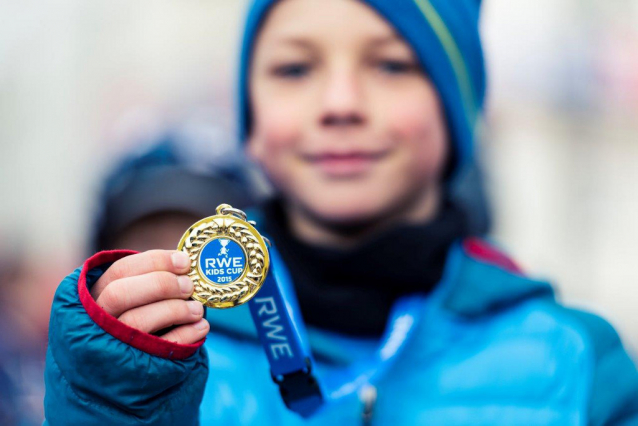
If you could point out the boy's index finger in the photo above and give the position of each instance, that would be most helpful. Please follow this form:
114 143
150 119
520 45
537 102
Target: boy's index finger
173 261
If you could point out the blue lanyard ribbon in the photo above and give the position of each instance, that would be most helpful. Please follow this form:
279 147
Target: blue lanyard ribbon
282 333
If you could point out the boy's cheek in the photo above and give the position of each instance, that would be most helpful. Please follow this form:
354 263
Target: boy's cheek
411 111
278 128
412 120
271 144
273 149
421 131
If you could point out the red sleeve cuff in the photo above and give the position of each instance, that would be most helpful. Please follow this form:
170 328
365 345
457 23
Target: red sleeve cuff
145 342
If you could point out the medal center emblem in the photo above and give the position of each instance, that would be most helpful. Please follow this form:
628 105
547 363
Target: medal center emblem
222 261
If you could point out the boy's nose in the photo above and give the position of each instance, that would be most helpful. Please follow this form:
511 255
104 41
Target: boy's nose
342 101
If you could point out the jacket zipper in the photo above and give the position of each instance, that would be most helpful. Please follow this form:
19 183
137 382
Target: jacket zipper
368 397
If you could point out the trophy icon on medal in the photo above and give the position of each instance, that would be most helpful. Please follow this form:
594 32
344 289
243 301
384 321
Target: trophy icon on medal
224 250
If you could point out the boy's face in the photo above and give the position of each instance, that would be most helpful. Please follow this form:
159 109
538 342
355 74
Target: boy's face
345 123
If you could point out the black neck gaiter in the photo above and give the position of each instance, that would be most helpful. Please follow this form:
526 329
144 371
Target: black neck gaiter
351 291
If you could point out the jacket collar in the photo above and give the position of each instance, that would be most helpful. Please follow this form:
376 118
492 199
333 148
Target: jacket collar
478 281
483 280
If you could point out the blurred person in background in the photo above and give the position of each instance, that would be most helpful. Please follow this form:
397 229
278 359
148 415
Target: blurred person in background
10 391
23 335
158 191
362 115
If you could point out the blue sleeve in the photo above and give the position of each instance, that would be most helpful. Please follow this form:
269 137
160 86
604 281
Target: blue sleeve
614 394
94 378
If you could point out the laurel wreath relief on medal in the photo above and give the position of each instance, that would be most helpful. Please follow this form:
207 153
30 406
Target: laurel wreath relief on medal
241 290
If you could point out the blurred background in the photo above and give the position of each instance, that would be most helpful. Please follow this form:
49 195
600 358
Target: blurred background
81 83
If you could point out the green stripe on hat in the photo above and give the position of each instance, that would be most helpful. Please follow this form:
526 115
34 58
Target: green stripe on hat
454 55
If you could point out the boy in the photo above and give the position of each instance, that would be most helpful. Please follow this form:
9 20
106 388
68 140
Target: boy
361 114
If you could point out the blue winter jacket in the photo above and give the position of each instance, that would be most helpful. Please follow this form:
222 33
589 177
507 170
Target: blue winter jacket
493 347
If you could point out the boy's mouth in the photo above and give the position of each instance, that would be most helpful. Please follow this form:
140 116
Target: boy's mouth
342 165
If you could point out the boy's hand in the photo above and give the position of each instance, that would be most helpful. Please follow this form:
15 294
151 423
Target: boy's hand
149 291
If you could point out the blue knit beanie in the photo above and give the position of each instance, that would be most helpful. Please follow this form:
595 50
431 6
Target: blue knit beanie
445 37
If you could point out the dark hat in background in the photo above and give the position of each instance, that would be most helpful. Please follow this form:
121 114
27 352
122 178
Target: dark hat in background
182 171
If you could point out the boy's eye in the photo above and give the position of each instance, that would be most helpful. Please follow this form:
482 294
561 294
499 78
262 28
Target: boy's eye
294 70
396 66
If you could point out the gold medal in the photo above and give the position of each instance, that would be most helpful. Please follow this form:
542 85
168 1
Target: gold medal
229 258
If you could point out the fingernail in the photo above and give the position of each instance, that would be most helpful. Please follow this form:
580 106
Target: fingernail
180 260
201 324
185 284
195 307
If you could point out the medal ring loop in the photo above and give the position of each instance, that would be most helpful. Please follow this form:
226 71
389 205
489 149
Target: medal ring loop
228 210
